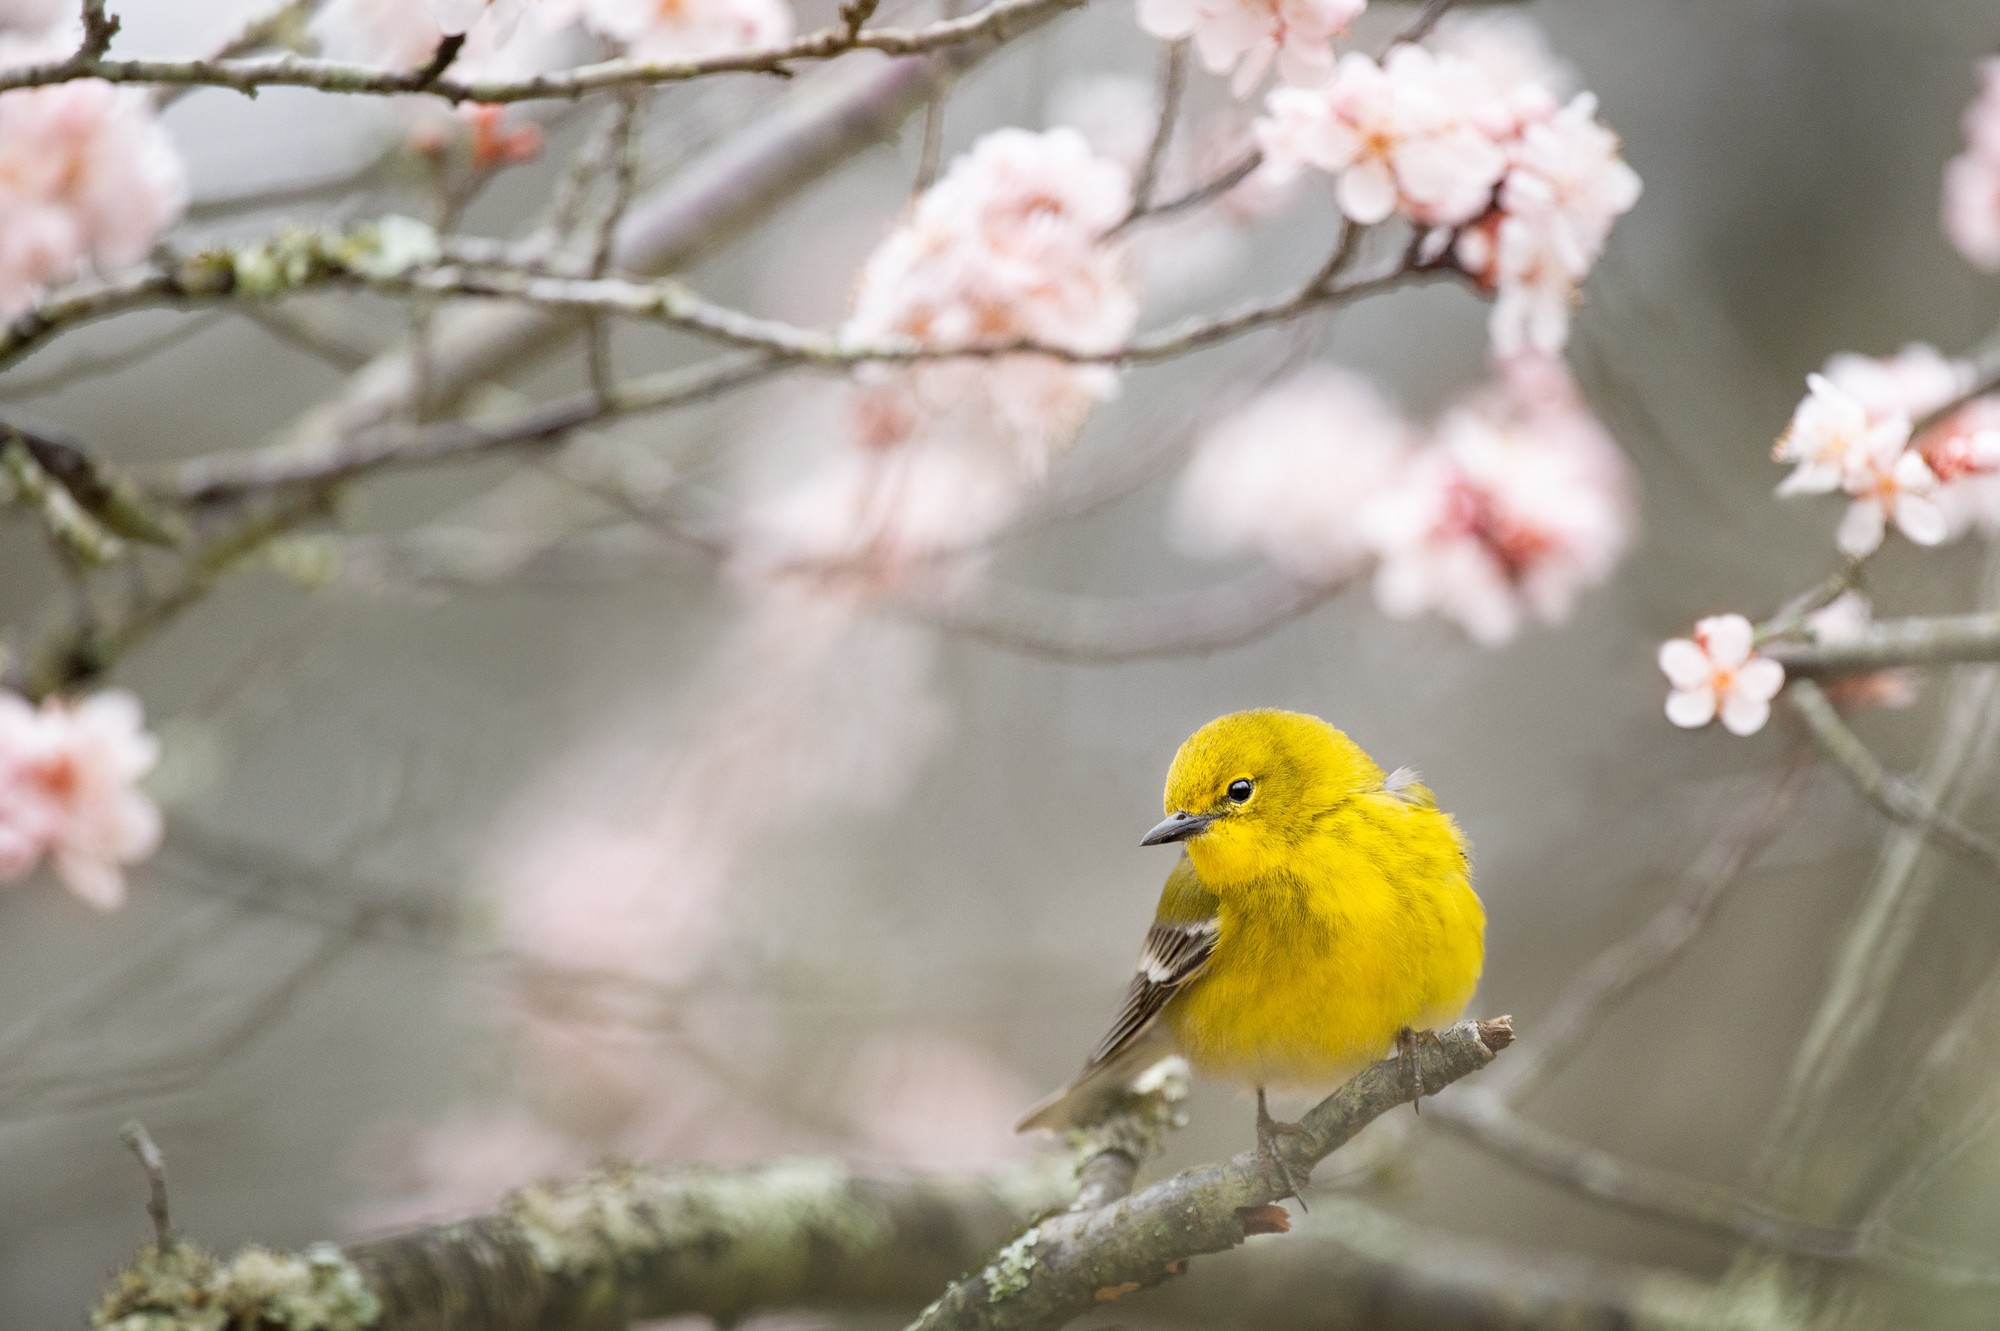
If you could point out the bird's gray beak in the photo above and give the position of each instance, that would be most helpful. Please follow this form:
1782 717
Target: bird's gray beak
1177 828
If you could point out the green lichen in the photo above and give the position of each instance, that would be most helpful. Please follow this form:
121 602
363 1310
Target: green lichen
182 1288
1013 1266
299 256
614 1219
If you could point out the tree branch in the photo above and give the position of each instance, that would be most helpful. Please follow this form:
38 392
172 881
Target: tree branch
1938 640
1896 798
997 21
1065 1266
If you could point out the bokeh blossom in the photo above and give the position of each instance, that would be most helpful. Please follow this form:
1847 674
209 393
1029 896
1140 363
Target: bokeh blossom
1972 179
36 18
1292 474
69 791
1248 36
1718 672
1009 245
88 179
1501 514
1521 503
684 29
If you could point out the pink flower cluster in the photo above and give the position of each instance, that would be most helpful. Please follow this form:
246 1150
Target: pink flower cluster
1516 503
1248 36
1008 246
1972 179
1718 672
1472 142
88 179
1853 433
69 793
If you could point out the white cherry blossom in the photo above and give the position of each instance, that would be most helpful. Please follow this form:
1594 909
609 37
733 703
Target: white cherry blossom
1403 136
1889 483
1718 672
1831 433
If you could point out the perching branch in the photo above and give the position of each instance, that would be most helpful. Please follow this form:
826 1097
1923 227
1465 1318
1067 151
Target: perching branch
1065 1266
998 21
614 1247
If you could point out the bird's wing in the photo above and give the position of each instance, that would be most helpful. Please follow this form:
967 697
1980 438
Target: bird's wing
1175 952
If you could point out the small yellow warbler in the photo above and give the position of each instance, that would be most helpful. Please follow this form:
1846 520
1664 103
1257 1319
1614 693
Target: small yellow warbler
1321 913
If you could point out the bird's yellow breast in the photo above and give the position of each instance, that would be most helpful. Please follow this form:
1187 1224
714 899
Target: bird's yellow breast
1331 943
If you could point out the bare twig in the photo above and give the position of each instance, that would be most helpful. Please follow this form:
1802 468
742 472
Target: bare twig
1627 964
1896 798
1173 83
1213 188
140 1143
1484 1119
1427 18
1000 20
1941 640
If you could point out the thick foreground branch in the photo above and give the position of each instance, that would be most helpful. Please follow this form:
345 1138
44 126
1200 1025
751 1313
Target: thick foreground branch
614 1247
1065 1266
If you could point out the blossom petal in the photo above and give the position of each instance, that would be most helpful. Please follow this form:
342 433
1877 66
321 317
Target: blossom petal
1366 192
1683 663
1921 519
1760 677
1728 639
1691 709
1861 529
1745 715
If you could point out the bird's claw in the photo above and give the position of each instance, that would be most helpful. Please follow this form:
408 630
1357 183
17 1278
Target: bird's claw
1408 1043
1268 1132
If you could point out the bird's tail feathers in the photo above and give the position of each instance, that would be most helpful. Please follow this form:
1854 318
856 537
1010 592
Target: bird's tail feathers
1101 1089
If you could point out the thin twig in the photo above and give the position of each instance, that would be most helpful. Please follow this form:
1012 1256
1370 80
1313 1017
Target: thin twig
1173 84
1896 798
999 20
140 1143
1629 963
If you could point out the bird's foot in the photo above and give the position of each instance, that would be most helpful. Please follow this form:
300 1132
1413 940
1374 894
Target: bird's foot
1408 1044
1268 1132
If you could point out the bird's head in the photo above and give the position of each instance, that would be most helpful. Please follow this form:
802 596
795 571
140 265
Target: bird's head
1247 788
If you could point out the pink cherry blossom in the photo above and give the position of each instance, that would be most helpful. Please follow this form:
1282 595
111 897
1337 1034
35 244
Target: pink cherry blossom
1292 474
1718 672
88 179
680 29
1520 504
1512 54
1009 245
1404 136
1565 187
1971 209
1830 434
1889 483
69 775
1248 35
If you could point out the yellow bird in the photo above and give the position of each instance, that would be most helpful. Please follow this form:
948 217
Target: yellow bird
1321 913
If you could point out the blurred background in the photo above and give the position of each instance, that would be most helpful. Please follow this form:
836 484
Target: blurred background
883 879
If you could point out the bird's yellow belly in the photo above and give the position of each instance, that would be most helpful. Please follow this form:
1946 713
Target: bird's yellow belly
1271 1012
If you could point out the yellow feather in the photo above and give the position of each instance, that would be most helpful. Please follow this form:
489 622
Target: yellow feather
1344 903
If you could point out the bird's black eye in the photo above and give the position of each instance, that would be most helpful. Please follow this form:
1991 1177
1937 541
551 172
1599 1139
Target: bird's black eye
1239 790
